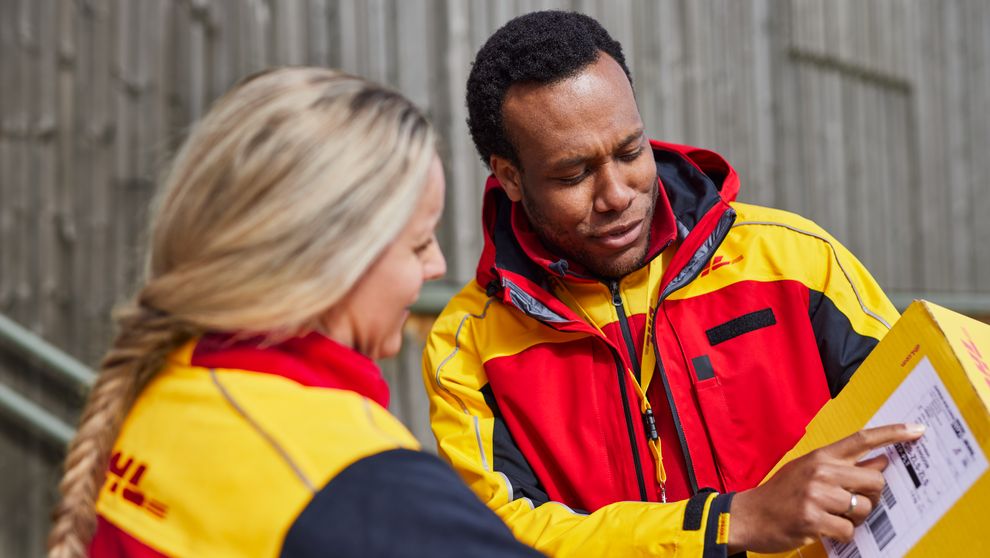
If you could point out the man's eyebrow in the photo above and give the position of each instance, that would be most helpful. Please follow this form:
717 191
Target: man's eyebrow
568 162
578 159
638 134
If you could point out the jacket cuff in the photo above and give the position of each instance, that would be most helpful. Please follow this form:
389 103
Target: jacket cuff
717 526
715 522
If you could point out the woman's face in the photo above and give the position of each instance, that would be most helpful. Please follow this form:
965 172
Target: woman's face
371 315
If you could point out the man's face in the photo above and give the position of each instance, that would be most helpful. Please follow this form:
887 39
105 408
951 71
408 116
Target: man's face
587 180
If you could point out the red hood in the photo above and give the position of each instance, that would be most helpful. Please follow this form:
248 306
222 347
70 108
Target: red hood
692 183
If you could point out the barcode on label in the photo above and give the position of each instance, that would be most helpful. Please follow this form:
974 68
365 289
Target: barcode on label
845 550
888 497
880 527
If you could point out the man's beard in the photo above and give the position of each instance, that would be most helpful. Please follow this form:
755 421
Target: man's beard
607 270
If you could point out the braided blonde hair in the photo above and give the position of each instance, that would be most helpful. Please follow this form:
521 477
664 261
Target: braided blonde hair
280 199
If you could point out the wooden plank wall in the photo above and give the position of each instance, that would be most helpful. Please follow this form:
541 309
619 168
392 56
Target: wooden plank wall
869 116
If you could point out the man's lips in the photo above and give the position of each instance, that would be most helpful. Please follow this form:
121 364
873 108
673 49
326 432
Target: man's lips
619 237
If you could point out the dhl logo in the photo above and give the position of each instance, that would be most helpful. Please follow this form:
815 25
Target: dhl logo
127 474
717 262
974 353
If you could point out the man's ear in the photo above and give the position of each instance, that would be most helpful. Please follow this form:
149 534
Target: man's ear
508 176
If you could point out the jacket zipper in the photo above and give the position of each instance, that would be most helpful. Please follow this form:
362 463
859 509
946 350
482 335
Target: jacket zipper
640 479
613 286
621 368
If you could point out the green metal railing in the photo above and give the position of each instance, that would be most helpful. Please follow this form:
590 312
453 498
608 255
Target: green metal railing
433 298
27 344
24 343
34 418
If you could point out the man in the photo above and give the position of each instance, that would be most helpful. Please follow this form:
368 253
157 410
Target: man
633 332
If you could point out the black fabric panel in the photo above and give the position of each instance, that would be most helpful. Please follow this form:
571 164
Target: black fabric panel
691 192
399 503
741 325
842 350
509 460
703 367
695 510
720 505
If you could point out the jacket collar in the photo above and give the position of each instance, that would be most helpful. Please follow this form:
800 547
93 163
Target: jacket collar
694 184
313 360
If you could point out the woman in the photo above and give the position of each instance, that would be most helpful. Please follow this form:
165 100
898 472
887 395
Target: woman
239 408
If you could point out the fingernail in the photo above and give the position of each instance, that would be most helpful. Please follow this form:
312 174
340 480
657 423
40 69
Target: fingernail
915 428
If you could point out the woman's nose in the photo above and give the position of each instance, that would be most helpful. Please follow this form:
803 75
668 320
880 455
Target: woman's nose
436 265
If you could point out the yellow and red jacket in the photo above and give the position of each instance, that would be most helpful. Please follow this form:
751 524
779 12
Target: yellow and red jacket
572 406
241 449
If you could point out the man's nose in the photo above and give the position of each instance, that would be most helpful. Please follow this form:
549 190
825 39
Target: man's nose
613 192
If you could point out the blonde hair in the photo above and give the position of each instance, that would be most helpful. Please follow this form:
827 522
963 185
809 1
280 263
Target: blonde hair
280 199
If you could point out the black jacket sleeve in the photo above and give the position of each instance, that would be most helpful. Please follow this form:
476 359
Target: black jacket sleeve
399 503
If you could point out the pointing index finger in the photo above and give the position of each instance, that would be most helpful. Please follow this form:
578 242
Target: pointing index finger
858 444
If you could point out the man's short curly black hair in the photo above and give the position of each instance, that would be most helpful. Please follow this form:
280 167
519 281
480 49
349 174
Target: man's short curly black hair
540 47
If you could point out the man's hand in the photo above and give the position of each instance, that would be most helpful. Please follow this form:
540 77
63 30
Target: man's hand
809 497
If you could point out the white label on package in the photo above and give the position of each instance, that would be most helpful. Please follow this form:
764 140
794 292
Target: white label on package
925 478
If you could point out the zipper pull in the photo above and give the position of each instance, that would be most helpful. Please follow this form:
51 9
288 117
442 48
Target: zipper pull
663 493
650 425
616 298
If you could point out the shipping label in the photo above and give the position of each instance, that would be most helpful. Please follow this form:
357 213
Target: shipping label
925 478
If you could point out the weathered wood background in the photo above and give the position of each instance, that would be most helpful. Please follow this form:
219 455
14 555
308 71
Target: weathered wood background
869 116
